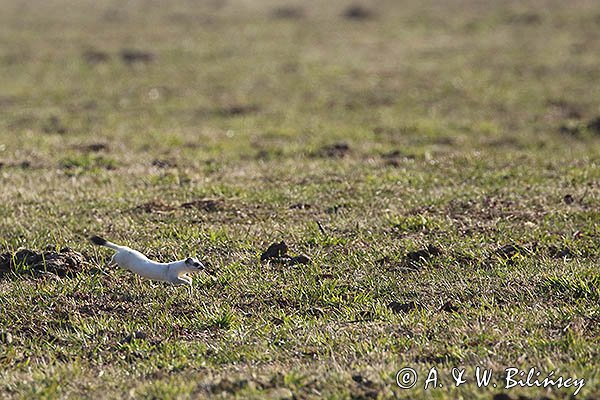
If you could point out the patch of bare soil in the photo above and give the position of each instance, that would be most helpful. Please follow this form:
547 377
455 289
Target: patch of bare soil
155 206
414 259
559 110
594 125
95 57
395 158
336 150
93 147
64 263
560 252
449 307
233 110
133 56
288 12
575 127
208 205
398 307
357 12
164 163
526 18
161 207
277 253
54 125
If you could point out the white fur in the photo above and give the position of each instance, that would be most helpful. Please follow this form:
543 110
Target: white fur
176 272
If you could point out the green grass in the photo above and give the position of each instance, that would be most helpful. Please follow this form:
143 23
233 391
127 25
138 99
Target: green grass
467 127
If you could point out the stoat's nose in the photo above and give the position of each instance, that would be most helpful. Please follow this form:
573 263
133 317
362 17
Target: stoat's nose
199 265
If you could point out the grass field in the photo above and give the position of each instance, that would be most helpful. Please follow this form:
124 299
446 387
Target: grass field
438 162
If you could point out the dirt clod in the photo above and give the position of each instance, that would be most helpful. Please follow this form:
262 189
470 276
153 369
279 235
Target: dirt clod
277 253
568 199
398 307
64 263
274 251
414 259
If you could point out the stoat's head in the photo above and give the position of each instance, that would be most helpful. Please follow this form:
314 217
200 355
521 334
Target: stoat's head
193 264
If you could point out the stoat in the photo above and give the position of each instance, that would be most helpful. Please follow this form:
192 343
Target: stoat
176 272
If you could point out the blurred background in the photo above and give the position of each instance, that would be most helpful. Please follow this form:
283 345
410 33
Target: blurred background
260 79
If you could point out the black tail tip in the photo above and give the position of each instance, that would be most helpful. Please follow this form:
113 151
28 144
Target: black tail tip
98 240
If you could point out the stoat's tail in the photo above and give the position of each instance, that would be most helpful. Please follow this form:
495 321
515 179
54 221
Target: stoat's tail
103 242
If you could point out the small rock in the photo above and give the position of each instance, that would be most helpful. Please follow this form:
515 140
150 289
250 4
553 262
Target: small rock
275 250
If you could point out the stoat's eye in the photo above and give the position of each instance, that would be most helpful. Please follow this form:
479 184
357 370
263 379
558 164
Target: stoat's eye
196 264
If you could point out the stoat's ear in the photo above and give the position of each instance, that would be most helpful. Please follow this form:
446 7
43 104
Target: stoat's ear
189 261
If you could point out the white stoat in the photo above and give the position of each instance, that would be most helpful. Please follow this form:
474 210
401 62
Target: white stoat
177 272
